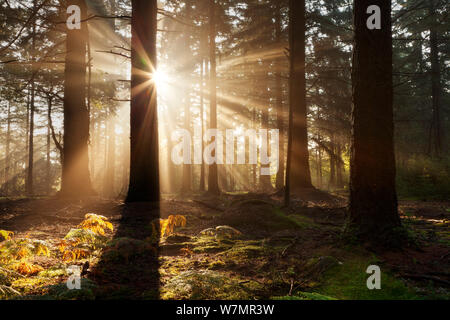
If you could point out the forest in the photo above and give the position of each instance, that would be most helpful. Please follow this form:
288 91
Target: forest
224 150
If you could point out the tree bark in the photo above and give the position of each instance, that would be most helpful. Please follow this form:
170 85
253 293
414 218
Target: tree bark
373 198
7 151
213 182
435 147
279 100
76 179
144 161
187 168
202 101
29 180
300 171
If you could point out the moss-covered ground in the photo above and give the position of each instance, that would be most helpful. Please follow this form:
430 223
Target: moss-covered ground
238 246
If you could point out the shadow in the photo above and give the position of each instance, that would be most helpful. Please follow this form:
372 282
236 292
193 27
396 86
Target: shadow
129 267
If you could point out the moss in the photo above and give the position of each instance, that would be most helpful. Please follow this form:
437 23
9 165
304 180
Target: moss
216 265
349 281
208 284
246 249
305 296
61 292
53 272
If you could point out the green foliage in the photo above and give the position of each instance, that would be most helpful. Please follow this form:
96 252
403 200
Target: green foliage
424 178
61 292
305 296
348 282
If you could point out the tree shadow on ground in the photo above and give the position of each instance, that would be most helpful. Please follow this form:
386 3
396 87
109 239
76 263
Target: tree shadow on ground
128 268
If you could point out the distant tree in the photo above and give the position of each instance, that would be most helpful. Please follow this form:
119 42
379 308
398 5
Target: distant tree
144 163
373 198
76 179
213 182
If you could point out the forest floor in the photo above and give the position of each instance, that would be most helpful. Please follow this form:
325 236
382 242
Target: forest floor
259 251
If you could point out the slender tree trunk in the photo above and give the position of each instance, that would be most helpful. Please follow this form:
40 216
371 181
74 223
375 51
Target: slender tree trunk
435 147
202 101
29 180
213 182
48 165
300 171
339 167
8 150
279 99
76 179
144 161
373 197
111 158
332 179
187 168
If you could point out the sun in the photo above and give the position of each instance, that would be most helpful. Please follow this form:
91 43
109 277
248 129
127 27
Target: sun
160 78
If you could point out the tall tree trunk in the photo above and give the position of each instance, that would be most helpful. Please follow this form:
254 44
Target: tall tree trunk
76 179
332 180
202 101
435 147
48 165
300 171
187 168
339 167
373 198
213 182
279 99
144 145
29 180
111 158
7 150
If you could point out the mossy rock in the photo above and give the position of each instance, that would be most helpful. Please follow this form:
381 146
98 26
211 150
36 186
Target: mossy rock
207 244
61 292
260 219
244 250
178 238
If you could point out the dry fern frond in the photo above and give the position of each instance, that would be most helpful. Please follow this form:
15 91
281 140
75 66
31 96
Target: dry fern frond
6 235
42 250
26 268
167 226
96 223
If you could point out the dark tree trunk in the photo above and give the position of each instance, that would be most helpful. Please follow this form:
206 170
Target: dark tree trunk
144 160
76 179
339 167
300 171
373 198
435 147
213 182
279 100
332 180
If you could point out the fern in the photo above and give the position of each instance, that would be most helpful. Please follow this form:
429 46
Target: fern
6 235
96 224
26 268
167 226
